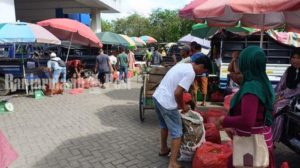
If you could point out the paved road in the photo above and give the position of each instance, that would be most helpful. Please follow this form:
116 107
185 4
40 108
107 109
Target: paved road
95 129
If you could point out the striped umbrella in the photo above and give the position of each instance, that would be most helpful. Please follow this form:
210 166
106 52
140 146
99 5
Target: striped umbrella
111 38
139 42
203 30
287 38
21 32
129 40
148 39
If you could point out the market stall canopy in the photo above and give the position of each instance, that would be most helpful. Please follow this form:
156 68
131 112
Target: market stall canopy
112 38
287 38
72 30
148 39
257 14
138 42
21 32
189 38
131 43
203 30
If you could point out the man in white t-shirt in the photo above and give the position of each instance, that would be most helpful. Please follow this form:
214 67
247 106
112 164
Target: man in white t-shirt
167 100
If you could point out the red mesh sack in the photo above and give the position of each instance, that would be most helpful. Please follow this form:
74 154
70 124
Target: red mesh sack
284 165
210 155
187 97
130 74
213 115
217 97
227 101
212 134
86 84
115 75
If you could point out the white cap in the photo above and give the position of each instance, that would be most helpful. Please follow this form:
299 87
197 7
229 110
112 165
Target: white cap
52 55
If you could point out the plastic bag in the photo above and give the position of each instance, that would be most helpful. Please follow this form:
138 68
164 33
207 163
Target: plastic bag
212 134
115 75
211 155
193 135
93 81
7 153
130 74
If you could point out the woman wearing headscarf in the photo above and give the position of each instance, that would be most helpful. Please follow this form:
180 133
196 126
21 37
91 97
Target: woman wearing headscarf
251 107
288 87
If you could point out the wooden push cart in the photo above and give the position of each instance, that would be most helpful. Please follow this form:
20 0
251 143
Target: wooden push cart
151 80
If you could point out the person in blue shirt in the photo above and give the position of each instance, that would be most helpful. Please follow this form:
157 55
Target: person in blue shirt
196 53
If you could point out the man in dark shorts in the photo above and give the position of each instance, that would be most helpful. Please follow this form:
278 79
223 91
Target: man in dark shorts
122 63
103 67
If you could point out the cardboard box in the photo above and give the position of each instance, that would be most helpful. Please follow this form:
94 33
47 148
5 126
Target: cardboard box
149 93
155 78
159 70
151 86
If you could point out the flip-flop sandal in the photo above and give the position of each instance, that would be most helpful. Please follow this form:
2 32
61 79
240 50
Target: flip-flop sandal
164 154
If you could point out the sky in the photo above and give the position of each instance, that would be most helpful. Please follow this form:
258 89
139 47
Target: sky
144 7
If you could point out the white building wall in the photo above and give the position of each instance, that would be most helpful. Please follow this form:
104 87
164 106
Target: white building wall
7 11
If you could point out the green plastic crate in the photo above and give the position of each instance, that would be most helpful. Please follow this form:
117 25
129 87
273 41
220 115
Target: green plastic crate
149 102
38 94
6 107
2 107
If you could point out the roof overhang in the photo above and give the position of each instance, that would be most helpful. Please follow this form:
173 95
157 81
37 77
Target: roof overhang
35 10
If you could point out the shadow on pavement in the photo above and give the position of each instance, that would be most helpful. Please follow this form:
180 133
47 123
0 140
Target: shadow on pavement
122 94
122 140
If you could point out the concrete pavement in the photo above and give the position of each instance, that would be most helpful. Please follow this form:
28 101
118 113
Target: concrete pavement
96 129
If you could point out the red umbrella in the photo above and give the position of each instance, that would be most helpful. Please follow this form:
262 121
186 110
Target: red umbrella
187 11
270 13
73 31
263 14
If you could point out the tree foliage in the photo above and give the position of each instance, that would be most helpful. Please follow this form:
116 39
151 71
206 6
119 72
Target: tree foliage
106 26
164 25
133 25
168 26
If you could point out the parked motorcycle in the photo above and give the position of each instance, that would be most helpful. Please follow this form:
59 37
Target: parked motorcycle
291 127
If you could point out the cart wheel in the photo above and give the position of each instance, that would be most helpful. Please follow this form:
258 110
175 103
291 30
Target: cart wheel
142 104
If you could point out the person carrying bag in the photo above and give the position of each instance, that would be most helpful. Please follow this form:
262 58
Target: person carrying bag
251 113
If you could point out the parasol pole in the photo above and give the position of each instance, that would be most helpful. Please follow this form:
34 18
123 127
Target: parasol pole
262 31
69 47
24 74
